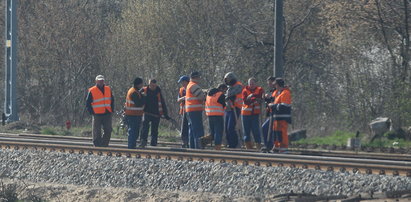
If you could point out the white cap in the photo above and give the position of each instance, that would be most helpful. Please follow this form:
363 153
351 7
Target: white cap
99 78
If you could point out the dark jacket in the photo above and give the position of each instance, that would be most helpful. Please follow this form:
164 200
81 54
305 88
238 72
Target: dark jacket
152 102
139 101
89 100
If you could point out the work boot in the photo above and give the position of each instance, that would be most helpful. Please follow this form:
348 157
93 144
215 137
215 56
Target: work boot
217 147
205 140
283 150
143 144
258 146
248 145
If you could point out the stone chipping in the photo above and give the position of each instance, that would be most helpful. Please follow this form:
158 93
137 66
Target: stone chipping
199 177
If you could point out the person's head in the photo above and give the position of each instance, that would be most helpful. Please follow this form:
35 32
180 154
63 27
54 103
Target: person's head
279 83
100 80
138 83
222 87
152 84
195 75
230 79
184 81
252 83
270 81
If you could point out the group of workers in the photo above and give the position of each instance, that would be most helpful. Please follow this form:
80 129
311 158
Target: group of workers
232 109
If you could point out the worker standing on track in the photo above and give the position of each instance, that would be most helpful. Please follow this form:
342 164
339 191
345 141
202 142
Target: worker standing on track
268 98
184 80
100 103
214 107
281 115
154 108
250 112
134 110
194 110
233 108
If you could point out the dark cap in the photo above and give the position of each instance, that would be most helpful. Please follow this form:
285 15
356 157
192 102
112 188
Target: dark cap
195 75
271 78
280 82
183 78
137 81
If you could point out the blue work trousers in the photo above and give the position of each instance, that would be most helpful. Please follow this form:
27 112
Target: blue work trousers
133 130
267 143
216 124
184 130
195 128
251 124
230 123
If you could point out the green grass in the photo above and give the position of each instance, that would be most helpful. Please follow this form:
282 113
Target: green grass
340 138
384 142
337 138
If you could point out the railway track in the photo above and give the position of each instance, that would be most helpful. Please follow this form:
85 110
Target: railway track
120 143
383 164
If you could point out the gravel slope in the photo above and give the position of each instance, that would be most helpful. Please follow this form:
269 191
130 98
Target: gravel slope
224 180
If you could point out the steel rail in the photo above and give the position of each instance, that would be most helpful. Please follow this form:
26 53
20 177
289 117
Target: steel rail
366 166
313 152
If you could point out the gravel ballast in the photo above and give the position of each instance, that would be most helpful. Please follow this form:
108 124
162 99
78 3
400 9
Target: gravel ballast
225 179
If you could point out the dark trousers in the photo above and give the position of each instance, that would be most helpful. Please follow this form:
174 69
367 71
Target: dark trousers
230 123
133 130
251 123
267 143
184 129
216 128
195 128
155 121
99 121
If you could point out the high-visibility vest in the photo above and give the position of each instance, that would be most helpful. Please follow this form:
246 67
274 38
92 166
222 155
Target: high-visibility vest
282 101
253 108
238 102
130 107
182 93
212 106
193 103
101 103
160 105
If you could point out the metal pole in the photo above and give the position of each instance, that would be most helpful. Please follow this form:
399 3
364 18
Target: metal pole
10 103
278 38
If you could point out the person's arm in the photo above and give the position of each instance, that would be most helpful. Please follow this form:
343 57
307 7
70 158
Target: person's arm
234 90
89 100
221 100
196 91
112 101
181 98
163 104
247 98
139 101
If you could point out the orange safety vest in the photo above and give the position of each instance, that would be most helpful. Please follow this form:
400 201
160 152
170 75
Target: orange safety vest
160 106
253 108
193 103
213 107
182 93
239 97
101 103
283 99
130 107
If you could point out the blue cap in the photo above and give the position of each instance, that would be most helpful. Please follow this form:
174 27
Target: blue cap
183 78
